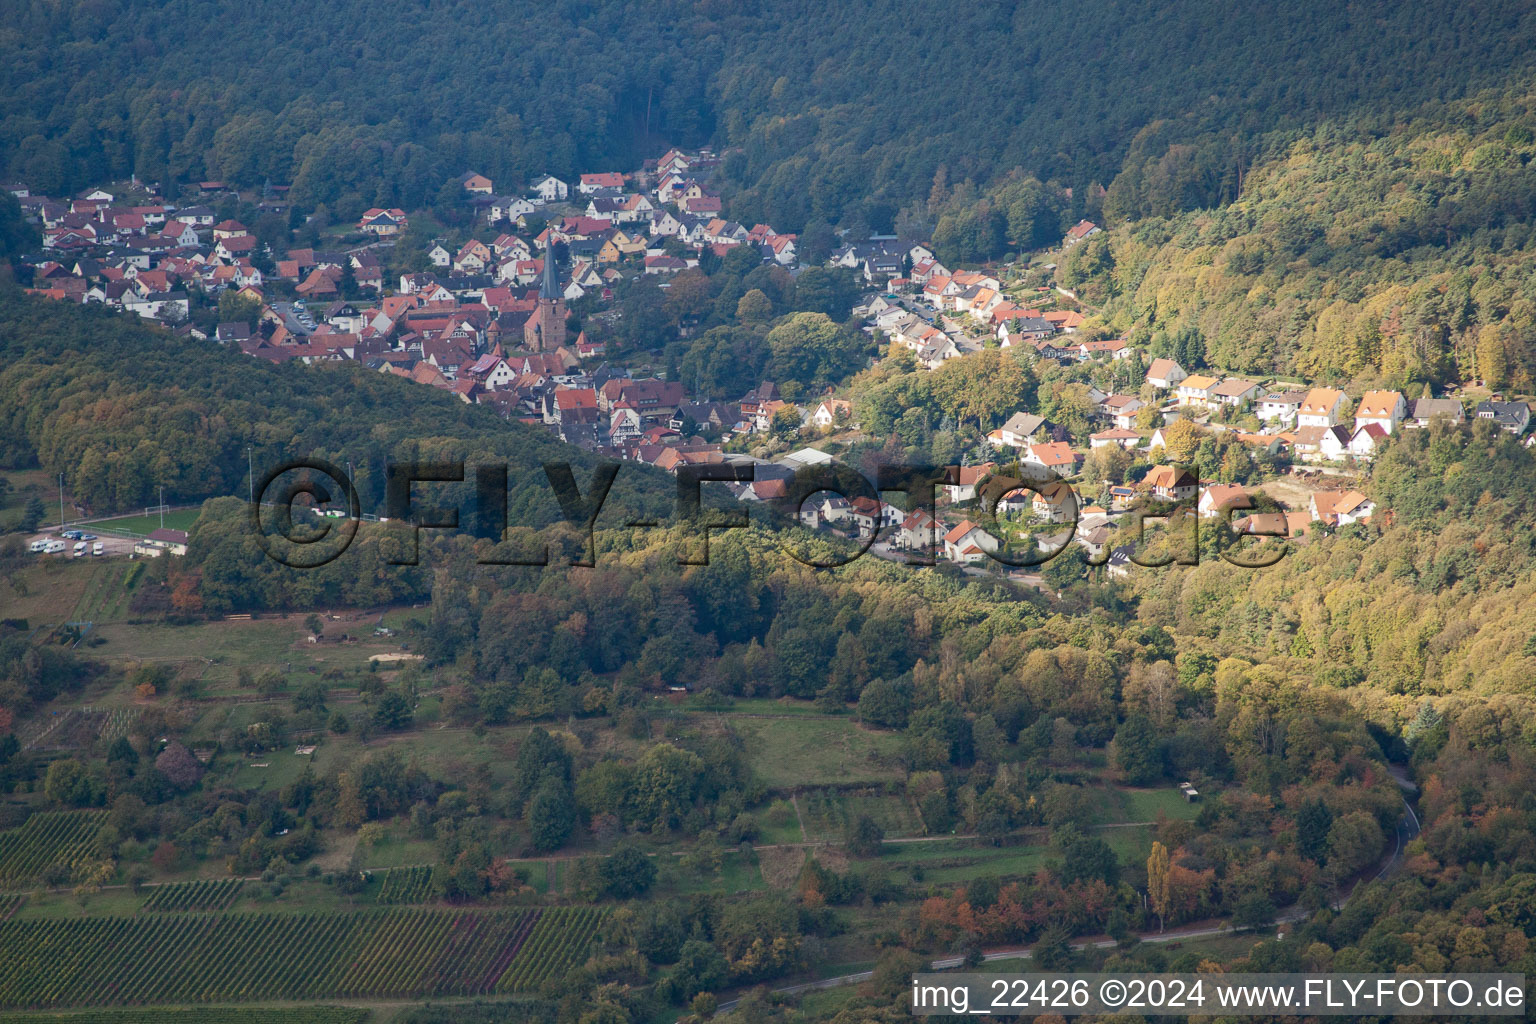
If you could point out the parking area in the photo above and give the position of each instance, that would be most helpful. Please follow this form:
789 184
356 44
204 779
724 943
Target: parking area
110 545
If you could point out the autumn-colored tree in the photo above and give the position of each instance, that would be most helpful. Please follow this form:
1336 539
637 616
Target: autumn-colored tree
179 765
92 875
1181 439
186 598
1157 882
6 718
166 856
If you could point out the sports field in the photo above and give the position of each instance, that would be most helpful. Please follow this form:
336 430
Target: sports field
142 526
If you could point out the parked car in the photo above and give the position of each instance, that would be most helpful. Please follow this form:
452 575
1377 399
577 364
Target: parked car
87 536
70 535
81 548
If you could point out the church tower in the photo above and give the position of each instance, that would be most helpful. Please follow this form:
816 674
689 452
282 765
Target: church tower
545 329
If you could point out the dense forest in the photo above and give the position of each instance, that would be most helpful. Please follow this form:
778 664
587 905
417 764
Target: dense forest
833 113
1379 250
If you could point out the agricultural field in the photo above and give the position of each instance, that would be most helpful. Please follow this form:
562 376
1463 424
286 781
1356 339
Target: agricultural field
560 940
77 728
202 1015
407 885
196 958
108 590
960 860
46 839
210 894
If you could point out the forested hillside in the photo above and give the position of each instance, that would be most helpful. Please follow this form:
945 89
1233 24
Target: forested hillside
122 409
1375 250
1433 600
838 111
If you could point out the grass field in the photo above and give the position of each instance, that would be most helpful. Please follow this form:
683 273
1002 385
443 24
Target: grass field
959 860
142 526
1151 804
53 588
829 814
14 503
797 752
224 647
738 873
778 823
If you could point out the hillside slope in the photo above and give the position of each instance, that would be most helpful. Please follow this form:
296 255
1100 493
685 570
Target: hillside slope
839 110
122 409
1376 251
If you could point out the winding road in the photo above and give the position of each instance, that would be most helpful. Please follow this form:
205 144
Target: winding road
1407 830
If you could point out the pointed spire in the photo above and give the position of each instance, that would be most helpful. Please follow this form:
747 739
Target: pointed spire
549 289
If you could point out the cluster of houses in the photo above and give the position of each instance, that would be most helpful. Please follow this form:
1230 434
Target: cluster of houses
939 314
1324 424
147 254
486 320
142 256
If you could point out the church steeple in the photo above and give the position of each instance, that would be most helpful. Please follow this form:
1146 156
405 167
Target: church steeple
550 289
544 330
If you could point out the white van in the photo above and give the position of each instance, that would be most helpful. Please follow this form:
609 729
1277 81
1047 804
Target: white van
38 545
81 548
98 548
53 547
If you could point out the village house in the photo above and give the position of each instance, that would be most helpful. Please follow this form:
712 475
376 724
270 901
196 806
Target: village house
961 482
1386 409
1197 390
1340 508
1018 431
475 184
1054 502
968 544
1127 439
383 223
831 412
1217 498
1055 456
1079 231
1281 406
1165 373
1365 439
1323 407
550 189
1121 498
1170 483
918 532
1122 409
1115 348
592 183
1333 444
1234 393
1513 417
1425 411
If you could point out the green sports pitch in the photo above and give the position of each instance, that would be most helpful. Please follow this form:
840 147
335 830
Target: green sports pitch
143 525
